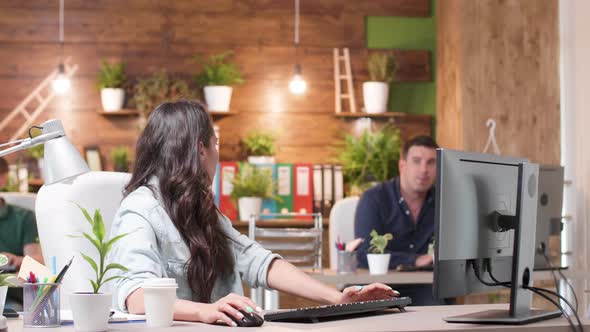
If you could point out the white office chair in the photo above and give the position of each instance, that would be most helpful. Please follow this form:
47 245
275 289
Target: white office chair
341 225
58 217
23 200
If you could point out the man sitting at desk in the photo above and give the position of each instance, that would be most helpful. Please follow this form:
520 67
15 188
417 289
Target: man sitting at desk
404 207
18 228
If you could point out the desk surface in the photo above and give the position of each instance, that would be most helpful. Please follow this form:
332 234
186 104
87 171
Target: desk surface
362 276
415 319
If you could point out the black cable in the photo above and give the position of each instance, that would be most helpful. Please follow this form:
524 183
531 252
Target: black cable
35 127
543 252
478 276
537 290
564 300
534 290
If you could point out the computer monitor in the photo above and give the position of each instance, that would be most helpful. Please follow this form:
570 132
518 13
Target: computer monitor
549 220
485 216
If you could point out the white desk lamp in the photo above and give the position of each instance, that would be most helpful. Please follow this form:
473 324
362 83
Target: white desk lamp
62 160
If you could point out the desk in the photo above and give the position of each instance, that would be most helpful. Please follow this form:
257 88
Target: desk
362 276
416 319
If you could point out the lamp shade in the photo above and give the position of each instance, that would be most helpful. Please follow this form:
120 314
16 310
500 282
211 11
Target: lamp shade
62 160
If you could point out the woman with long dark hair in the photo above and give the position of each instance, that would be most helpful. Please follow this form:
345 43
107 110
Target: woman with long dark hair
176 231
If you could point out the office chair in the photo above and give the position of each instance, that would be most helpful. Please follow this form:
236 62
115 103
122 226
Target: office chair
58 217
341 225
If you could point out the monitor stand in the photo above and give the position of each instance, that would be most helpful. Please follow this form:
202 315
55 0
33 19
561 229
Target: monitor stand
523 259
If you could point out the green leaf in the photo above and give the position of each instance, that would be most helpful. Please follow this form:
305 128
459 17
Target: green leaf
115 266
94 241
86 215
114 278
112 241
95 287
98 228
91 262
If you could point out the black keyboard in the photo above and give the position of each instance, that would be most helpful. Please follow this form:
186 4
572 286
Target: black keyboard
314 314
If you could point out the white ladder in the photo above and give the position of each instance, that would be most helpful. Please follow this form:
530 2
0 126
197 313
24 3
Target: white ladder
338 77
38 100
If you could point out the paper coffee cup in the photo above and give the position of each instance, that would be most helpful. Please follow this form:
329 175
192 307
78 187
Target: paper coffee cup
159 295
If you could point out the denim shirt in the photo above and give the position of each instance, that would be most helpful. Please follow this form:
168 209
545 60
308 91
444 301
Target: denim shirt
154 248
383 209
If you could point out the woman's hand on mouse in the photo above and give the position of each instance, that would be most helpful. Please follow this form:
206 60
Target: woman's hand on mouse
375 291
222 309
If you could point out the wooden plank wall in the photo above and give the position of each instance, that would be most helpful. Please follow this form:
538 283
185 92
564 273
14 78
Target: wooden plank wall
153 35
499 59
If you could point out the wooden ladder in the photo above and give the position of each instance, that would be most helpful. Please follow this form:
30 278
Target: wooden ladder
338 77
37 100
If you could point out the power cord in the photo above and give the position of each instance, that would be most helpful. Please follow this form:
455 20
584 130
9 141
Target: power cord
538 291
543 251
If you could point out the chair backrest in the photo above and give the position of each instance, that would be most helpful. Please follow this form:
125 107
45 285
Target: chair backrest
23 200
58 217
341 225
301 246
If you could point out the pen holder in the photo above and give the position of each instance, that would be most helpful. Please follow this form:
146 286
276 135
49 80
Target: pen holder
41 305
346 262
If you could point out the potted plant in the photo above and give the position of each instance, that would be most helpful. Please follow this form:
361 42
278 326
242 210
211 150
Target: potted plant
91 310
120 157
369 158
381 74
260 147
216 78
110 82
151 91
4 283
378 259
250 185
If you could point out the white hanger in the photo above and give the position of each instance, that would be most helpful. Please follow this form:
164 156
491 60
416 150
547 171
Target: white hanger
491 123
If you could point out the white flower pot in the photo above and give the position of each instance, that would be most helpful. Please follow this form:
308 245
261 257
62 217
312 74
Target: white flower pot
261 160
112 99
90 311
375 95
218 97
248 206
3 291
378 263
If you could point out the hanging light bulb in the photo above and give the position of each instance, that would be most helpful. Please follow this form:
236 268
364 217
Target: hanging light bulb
61 83
297 84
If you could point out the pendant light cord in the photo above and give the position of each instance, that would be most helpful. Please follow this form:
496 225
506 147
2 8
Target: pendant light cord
61 29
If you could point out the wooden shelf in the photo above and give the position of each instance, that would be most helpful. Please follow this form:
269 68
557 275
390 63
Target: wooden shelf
36 182
130 112
386 115
123 112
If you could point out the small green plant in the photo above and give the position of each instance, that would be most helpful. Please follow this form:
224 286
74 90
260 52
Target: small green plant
156 89
111 76
3 276
103 247
381 68
259 144
36 152
252 181
373 156
120 157
218 71
379 242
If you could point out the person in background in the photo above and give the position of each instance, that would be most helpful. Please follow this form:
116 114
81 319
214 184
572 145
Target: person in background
18 229
404 207
176 231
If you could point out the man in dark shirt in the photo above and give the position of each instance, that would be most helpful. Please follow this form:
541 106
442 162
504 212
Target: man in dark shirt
404 207
18 228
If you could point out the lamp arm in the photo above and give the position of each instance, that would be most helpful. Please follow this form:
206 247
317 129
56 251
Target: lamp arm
30 142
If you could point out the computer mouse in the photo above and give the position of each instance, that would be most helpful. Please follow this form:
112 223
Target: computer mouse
251 319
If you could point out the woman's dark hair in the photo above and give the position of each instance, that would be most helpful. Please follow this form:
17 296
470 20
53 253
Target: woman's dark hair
168 148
